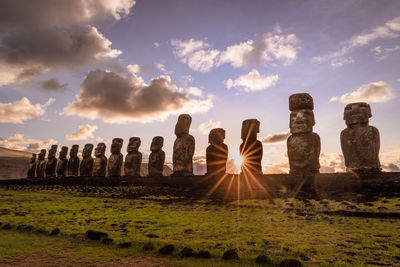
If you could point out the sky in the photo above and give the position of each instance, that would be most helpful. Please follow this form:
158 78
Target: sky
77 72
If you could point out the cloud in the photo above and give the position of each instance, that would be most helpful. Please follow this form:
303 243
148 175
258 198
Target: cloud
331 162
276 168
156 44
119 99
19 142
52 85
54 35
252 81
276 138
340 62
382 53
266 47
19 111
373 92
205 128
389 30
84 132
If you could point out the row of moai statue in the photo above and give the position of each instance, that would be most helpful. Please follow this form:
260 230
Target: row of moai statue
359 141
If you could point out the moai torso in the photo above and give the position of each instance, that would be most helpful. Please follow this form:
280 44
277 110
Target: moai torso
303 145
62 162
217 152
73 162
86 167
40 170
100 162
51 165
251 149
157 157
133 160
116 158
360 142
184 146
32 167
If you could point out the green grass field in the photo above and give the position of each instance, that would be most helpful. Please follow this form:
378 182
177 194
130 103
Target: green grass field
309 231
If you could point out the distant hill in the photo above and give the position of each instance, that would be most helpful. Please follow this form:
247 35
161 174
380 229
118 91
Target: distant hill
10 153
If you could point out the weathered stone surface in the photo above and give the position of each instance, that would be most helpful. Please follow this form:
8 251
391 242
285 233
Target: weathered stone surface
167 249
86 167
62 162
100 162
95 235
205 254
157 157
40 170
32 167
184 145
290 263
303 145
73 162
360 142
51 164
187 252
230 254
217 152
251 149
133 159
116 158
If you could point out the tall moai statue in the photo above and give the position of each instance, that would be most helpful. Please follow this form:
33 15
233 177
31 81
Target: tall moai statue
360 142
116 158
51 164
251 149
41 168
62 162
32 167
303 145
133 159
73 162
217 152
182 158
157 157
100 162
86 167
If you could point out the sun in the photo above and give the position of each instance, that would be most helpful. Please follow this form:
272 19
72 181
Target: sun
237 159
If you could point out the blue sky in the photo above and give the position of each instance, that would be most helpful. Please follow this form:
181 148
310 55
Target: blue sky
325 48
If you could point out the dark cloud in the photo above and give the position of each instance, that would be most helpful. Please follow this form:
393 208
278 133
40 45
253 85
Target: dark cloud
275 138
52 85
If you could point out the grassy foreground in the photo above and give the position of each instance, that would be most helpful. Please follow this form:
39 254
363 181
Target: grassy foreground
310 231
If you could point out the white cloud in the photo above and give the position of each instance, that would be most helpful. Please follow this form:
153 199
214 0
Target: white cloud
19 142
205 128
340 62
156 44
373 92
84 132
252 81
276 138
382 53
331 162
19 111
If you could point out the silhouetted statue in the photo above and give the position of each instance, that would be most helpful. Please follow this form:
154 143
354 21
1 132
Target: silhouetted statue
100 162
157 157
62 162
303 145
251 149
360 141
217 152
40 170
116 158
86 168
32 167
182 158
133 159
51 164
73 162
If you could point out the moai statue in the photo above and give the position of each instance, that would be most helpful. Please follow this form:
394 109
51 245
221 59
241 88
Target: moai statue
62 162
360 142
116 158
100 162
73 162
51 165
303 145
157 157
182 158
134 158
217 152
40 170
32 167
251 149
86 167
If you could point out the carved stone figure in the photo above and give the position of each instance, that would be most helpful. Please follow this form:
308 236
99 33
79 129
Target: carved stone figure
303 145
100 162
51 164
157 157
116 158
40 170
360 142
182 158
32 167
251 149
133 159
86 167
217 152
73 162
62 162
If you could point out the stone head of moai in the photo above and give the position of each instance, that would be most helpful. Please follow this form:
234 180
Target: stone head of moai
301 115
183 125
250 129
157 143
63 152
357 113
216 136
33 158
52 152
100 150
116 145
87 150
42 154
74 151
133 145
